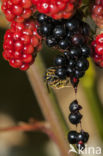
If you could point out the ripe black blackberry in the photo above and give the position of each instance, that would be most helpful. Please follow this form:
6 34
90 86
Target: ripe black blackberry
74 107
74 63
74 137
63 34
70 36
75 116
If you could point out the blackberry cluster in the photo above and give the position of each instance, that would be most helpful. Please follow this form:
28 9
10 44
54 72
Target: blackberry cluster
21 43
73 64
63 34
75 118
97 54
57 9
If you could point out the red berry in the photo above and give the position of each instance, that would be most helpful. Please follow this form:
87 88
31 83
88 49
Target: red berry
97 13
27 58
18 10
27 32
34 41
28 49
8 35
24 67
26 3
5 56
57 9
98 50
17 35
9 54
9 15
26 39
99 39
8 44
17 54
20 43
27 13
16 1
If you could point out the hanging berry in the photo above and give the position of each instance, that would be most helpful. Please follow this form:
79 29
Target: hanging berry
21 43
75 118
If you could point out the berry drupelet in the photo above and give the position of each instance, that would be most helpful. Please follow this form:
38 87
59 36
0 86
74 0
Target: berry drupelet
73 63
57 9
64 34
18 10
21 43
74 107
97 13
97 52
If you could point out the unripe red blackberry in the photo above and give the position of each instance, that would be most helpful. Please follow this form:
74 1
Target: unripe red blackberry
97 13
21 43
17 10
97 53
57 9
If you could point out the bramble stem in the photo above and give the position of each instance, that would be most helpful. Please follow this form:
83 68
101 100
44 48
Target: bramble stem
33 126
49 108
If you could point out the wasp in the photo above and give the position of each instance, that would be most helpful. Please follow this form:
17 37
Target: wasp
53 80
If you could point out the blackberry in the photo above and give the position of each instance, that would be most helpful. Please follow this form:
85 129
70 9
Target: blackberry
61 73
74 107
71 63
78 74
51 41
82 64
72 24
86 51
69 71
60 61
83 136
75 51
45 29
59 31
72 137
75 118
41 18
64 44
67 33
78 39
